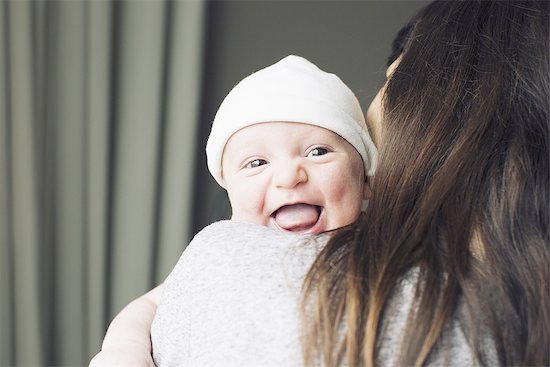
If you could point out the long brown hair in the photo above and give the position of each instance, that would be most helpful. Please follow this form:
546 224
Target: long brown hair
460 197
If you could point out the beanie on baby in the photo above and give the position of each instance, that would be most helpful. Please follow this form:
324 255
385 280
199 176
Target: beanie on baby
291 90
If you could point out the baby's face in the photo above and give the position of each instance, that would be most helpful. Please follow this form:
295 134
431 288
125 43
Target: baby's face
293 177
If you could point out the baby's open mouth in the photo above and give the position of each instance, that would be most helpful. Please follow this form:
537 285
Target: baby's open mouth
297 217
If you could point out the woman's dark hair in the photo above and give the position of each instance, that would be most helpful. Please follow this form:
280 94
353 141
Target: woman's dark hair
461 197
399 43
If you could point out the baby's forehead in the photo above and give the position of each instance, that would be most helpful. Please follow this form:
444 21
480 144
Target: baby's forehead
291 132
277 134
267 127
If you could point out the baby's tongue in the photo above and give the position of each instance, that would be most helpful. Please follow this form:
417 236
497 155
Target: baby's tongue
296 216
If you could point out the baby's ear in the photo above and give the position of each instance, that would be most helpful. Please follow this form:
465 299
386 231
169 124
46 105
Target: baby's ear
367 192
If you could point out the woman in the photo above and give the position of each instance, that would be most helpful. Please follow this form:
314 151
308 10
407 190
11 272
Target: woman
455 242
460 198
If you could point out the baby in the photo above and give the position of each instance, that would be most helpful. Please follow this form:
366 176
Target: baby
289 144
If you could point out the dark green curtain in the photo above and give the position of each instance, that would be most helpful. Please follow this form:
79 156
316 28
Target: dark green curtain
99 106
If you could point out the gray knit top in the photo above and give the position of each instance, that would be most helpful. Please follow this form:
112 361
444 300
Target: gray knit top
232 300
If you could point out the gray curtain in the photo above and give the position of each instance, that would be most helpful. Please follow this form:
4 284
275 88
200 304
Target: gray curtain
98 122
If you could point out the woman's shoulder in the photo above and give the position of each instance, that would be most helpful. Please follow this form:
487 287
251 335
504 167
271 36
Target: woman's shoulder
232 299
238 238
230 246
225 231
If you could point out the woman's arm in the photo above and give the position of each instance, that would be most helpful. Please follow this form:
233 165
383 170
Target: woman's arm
128 338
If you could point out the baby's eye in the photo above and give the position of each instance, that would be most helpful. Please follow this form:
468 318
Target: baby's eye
317 151
256 163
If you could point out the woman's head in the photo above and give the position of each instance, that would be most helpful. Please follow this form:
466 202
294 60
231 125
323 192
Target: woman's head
466 113
464 155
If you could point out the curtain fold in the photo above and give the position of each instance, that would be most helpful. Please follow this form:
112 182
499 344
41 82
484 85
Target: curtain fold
20 200
99 106
97 157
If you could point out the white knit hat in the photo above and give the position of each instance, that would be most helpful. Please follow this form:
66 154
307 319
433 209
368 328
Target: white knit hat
292 90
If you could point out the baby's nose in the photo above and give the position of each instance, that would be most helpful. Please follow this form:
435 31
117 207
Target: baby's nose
289 175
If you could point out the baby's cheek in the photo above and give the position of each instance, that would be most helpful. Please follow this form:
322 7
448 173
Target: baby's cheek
345 190
248 214
246 204
344 183
337 189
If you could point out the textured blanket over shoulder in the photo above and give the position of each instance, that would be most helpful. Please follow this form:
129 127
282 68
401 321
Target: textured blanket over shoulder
232 300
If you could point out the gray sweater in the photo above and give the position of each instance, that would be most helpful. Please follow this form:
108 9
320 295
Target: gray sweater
232 299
